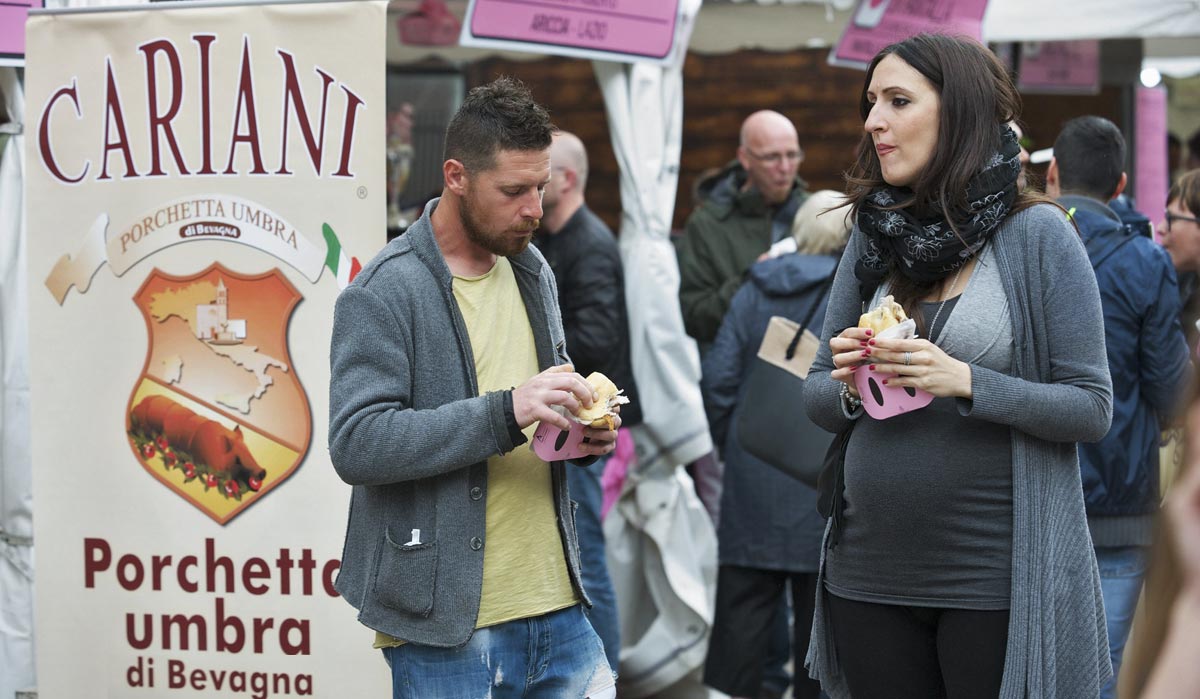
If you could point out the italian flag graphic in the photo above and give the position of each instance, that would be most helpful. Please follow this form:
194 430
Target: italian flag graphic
345 267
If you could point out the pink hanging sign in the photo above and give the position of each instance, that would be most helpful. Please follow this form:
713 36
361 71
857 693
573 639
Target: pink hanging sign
878 23
431 24
1060 67
12 30
612 30
1150 153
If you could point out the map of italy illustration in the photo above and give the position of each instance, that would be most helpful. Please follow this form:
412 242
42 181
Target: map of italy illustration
194 321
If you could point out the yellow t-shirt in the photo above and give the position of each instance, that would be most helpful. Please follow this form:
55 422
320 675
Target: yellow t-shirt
524 569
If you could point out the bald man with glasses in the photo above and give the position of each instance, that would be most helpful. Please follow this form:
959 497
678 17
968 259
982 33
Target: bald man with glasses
746 207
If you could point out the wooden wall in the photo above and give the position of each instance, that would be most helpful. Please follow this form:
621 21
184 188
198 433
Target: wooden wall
567 87
1044 115
721 90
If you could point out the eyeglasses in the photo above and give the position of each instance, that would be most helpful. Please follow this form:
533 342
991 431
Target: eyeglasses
792 156
1172 218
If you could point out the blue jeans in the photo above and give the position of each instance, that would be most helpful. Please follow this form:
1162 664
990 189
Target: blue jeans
1122 569
583 483
553 656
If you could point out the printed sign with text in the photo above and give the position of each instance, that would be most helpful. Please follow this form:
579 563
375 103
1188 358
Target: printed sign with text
878 23
12 30
607 30
201 183
1060 67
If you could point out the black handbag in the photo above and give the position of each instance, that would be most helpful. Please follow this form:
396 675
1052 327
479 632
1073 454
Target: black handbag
772 424
832 484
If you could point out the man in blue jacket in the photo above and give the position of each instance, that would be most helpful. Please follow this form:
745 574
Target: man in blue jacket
1147 357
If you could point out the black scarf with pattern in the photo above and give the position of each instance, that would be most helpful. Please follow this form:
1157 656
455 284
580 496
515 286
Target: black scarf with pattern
926 247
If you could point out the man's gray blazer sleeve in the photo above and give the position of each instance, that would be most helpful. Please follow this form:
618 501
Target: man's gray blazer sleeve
375 434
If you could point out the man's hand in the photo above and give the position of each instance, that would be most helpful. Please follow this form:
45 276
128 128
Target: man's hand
558 385
600 442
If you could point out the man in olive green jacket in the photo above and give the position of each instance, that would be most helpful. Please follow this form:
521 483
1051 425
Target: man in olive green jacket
750 205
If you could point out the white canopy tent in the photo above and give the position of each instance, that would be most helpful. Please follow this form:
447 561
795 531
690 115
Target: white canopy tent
1171 28
1038 20
16 497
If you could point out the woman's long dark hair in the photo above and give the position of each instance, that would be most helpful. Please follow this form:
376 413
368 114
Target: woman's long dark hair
977 98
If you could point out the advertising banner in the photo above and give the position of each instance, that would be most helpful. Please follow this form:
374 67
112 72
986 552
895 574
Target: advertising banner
878 23
1060 67
12 30
202 181
1150 154
605 30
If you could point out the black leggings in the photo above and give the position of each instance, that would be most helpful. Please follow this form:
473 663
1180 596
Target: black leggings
895 652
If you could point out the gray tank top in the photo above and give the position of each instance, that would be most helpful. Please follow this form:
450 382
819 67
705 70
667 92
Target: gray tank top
929 493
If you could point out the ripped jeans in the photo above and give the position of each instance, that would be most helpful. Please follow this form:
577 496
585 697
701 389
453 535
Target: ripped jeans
554 656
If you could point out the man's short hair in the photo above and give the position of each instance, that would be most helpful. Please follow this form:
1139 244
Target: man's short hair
1090 152
494 117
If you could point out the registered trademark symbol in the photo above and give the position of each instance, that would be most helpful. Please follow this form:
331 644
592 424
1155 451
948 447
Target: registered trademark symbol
362 192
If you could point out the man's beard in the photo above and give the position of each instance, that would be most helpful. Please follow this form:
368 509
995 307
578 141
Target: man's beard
504 243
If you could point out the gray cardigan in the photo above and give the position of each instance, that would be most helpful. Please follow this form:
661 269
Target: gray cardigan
1057 393
409 431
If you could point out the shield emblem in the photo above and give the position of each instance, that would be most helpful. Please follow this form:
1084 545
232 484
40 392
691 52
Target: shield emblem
218 414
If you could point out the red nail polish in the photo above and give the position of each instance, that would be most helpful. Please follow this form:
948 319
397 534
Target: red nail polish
862 344
871 343
869 331
866 353
885 382
854 368
872 367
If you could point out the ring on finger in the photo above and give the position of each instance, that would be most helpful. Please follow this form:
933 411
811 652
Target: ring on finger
907 358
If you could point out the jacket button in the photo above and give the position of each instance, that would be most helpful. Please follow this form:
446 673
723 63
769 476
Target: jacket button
476 543
476 493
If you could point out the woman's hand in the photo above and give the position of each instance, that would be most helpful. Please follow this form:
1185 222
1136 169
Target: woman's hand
850 349
927 367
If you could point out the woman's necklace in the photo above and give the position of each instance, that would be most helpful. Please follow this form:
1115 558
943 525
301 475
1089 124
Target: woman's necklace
950 293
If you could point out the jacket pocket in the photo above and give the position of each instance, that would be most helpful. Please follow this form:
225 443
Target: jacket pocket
574 536
406 576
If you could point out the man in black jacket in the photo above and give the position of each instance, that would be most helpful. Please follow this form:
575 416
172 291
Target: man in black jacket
583 253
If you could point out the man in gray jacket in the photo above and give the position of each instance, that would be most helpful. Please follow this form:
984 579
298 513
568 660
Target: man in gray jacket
461 551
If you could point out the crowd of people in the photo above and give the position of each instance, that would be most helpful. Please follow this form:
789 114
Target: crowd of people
989 508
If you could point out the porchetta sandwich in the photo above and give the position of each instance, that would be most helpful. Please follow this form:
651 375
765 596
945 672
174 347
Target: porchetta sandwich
602 414
887 314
